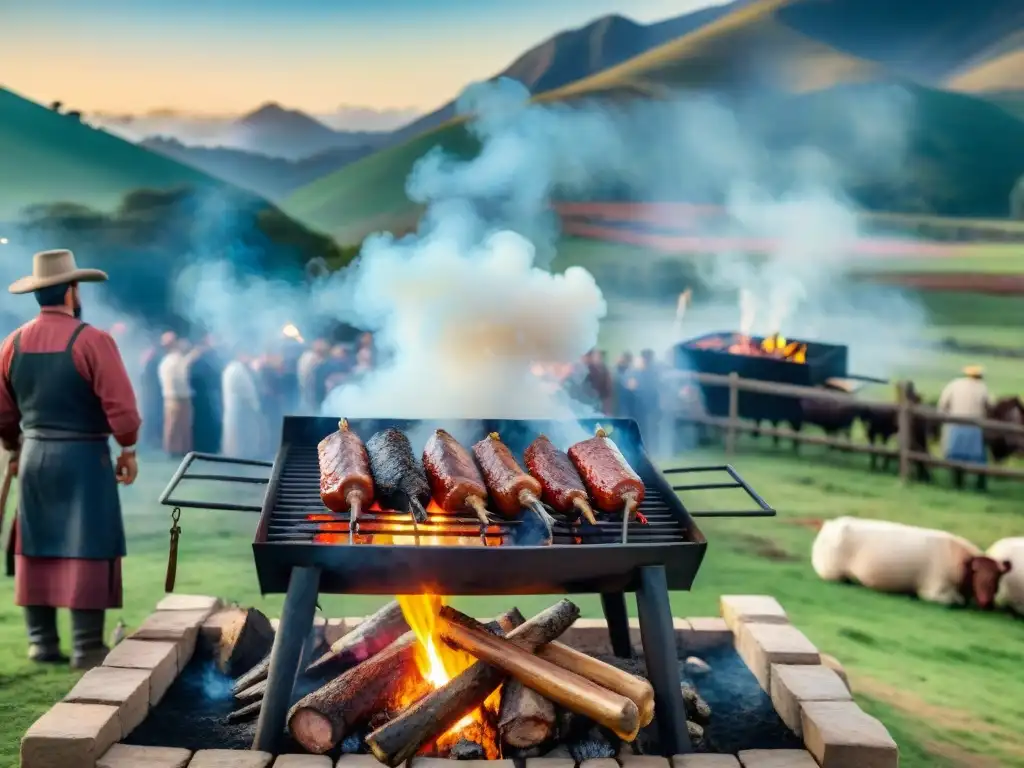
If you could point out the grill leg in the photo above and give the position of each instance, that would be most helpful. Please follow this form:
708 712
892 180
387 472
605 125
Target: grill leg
614 606
659 639
295 627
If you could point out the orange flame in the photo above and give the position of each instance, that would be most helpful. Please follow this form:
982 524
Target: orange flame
439 663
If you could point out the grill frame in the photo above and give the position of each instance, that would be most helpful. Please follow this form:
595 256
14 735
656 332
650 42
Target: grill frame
304 570
463 570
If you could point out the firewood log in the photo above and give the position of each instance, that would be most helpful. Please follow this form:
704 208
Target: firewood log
249 712
572 691
400 739
323 718
636 689
373 635
245 639
254 693
526 718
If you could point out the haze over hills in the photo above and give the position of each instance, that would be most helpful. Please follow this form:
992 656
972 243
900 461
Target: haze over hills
577 53
750 53
272 177
270 130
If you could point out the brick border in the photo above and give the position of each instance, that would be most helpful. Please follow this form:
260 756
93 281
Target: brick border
807 689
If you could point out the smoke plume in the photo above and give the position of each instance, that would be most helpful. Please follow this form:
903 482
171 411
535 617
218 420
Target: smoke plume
462 307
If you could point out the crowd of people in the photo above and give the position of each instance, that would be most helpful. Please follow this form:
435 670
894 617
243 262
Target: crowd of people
197 396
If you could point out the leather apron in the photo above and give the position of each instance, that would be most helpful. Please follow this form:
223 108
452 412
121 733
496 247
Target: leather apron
68 504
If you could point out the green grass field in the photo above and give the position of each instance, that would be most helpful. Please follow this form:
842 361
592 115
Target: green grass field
936 677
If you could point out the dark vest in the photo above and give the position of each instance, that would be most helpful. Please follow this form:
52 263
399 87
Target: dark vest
52 394
68 505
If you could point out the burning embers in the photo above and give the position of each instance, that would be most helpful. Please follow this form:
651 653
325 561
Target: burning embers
775 346
379 493
423 678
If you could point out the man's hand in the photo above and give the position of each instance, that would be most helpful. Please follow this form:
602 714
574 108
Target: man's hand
12 464
127 468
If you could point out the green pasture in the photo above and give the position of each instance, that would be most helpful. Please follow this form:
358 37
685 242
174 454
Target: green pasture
937 677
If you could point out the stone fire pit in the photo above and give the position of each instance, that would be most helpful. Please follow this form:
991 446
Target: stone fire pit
808 691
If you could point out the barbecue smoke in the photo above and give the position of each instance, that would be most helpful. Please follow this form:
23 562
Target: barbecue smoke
463 307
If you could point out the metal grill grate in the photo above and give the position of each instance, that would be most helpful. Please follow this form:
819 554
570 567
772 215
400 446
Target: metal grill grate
451 553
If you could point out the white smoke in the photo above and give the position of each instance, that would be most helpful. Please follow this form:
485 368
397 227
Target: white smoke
462 307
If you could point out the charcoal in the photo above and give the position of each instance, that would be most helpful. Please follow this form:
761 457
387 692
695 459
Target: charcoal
353 744
696 732
697 709
465 749
525 753
378 720
597 742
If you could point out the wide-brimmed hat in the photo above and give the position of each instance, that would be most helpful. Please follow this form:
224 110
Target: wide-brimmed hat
57 267
974 371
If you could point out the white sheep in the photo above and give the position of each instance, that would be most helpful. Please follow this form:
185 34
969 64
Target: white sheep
891 557
1010 552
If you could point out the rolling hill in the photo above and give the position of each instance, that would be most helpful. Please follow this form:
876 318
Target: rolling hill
801 82
271 177
122 206
46 157
293 135
577 53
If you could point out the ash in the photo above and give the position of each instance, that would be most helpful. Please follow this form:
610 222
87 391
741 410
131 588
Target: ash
193 715
742 715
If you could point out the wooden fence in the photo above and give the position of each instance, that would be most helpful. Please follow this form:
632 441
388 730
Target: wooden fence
906 412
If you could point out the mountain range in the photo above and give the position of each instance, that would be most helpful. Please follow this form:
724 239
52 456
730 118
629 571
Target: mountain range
961 63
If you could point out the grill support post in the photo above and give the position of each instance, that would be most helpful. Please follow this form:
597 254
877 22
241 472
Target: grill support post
294 629
659 639
614 606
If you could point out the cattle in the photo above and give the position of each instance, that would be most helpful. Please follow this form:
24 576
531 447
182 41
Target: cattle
1010 553
1003 445
835 418
881 423
936 566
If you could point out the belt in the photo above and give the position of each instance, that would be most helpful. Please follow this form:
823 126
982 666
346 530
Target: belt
60 435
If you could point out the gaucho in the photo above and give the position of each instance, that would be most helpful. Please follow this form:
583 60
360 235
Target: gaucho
63 392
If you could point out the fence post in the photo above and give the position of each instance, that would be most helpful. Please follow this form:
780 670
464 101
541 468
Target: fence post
734 413
903 424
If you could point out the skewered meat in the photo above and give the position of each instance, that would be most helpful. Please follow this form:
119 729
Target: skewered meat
455 481
345 479
400 481
612 483
562 487
511 488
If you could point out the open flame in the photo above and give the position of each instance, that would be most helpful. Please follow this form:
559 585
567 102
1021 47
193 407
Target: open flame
291 332
777 345
439 663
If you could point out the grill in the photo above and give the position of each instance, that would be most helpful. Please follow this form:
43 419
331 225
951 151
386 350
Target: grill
825 363
302 549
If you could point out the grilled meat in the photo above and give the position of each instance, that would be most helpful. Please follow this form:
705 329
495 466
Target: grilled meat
563 490
345 479
400 481
612 483
510 487
455 481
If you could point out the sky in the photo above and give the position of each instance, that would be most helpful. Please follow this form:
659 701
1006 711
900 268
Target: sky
224 57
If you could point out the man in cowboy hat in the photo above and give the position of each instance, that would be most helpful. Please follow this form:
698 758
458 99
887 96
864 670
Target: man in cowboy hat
966 397
63 392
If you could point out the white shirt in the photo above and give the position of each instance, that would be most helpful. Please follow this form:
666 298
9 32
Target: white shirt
173 375
239 388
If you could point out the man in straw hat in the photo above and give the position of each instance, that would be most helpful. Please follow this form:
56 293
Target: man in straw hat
965 397
63 392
